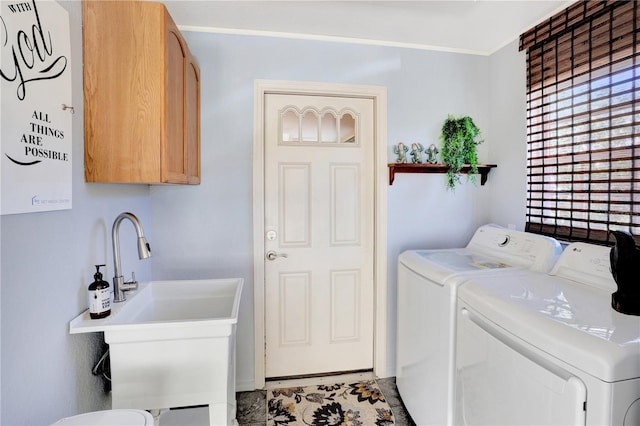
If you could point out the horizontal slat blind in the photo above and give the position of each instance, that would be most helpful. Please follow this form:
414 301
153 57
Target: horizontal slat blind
583 122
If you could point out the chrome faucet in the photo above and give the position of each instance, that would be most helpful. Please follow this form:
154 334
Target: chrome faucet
144 252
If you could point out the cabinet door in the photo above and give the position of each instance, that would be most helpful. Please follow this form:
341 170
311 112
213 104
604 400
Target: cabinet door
193 121
123 91
174 154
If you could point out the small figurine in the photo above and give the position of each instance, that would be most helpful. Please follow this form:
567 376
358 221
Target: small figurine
432 154
416 149
401 150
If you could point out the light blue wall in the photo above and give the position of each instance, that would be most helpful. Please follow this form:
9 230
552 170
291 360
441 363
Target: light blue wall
508 135
205 231
47 263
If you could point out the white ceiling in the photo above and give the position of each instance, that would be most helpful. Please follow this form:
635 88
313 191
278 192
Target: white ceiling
470 26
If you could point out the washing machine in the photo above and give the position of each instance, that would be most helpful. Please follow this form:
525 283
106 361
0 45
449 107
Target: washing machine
426 310
547 349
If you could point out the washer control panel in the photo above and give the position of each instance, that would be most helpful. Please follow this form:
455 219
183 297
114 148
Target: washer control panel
586 263
533 251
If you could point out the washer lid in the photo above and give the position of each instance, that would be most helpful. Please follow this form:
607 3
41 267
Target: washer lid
122 417
441 265
492 248
571 321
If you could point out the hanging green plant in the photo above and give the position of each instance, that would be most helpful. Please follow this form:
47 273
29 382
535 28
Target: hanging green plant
460 136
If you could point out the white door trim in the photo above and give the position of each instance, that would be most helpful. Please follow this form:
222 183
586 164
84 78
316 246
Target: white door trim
379 96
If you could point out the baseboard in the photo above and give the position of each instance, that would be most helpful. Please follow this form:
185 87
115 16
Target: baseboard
320 380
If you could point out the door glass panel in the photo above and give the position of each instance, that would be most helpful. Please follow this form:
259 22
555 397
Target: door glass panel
310 126
329 129
347 128
290 127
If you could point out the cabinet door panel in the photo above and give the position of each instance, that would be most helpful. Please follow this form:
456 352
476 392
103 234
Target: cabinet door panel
193 121
174 158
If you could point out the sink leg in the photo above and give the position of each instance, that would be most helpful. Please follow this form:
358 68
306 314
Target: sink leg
157 413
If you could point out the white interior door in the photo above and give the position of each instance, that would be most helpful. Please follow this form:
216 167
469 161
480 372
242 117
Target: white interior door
319 234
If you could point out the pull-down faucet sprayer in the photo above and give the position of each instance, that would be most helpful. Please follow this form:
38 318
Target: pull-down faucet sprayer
144 252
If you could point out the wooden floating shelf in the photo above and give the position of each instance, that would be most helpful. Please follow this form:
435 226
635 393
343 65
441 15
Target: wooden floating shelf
394 168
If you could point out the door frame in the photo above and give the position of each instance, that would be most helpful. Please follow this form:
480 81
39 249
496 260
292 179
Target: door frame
379 96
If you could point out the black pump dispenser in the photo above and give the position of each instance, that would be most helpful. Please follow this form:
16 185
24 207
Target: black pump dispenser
625 261
99 296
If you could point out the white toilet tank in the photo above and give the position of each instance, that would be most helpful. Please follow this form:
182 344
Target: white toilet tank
122 417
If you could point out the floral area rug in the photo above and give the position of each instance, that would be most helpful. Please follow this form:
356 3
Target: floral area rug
356 404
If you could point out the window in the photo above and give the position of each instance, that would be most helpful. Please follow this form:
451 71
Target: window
583 122
327 127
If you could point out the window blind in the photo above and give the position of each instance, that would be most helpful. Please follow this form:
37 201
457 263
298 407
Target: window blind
583 122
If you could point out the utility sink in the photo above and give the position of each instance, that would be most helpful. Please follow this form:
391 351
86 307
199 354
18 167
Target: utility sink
161 303
172 344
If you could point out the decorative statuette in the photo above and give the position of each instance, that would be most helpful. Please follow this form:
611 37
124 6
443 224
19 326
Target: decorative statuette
432 154
401 151
416 149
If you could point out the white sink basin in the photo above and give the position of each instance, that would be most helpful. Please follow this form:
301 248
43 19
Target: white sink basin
159 303
172 344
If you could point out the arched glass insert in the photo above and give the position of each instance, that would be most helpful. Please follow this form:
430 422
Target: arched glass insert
347 128
310 126
329 127
290 126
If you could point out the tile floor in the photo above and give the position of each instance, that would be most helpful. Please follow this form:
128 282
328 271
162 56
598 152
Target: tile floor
252 406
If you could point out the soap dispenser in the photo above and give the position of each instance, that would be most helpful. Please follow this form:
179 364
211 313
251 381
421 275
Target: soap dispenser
99 296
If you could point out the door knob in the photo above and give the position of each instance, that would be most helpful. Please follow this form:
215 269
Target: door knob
272 255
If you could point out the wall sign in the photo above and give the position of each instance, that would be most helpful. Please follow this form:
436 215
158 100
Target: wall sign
36 114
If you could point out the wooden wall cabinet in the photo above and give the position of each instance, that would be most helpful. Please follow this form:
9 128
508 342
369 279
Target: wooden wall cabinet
141 96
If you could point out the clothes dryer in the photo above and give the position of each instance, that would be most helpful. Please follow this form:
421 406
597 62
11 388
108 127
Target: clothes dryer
426 310
547 349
